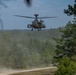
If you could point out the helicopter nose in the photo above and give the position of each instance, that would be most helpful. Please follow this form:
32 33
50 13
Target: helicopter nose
29 26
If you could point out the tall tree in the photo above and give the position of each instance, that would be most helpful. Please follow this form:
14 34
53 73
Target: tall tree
66 45
71 10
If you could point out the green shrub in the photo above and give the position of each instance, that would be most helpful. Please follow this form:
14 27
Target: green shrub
66 67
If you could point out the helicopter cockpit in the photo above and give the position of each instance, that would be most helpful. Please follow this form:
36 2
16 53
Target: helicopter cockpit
35 22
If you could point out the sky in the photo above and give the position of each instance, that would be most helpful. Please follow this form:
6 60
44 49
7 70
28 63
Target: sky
41 7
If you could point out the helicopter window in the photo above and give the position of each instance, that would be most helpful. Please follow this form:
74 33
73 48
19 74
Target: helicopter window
35 21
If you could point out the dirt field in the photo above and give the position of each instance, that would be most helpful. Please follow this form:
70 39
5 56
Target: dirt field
37 71
49 71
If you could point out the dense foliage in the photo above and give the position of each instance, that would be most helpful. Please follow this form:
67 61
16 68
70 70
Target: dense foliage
66 67
71 10
26 49
66 45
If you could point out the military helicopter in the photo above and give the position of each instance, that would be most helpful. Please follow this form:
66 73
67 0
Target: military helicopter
36 24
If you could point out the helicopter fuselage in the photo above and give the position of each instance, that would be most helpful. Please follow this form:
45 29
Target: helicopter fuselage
38 26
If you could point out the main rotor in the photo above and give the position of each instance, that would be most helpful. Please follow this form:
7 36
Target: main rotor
36 17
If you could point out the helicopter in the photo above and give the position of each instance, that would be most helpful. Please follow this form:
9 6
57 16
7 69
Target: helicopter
37 23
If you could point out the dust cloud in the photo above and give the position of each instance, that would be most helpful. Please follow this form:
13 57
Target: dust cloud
6 71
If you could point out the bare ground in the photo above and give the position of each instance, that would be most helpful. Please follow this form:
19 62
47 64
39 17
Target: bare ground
36 71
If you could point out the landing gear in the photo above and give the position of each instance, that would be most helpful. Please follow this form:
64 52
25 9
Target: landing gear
39 29
32 29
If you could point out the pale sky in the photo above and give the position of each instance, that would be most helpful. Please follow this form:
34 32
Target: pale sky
41 7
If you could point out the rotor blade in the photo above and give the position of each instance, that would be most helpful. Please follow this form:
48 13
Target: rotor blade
46 17
25 16
3 4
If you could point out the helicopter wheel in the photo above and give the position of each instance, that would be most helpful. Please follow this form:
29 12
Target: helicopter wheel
32 29
39 29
